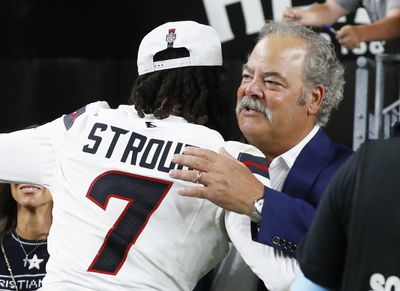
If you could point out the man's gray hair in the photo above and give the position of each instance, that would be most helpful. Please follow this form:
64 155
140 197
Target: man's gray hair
321 64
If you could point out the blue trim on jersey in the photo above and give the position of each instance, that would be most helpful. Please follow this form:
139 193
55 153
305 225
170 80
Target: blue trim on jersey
257 165
70 118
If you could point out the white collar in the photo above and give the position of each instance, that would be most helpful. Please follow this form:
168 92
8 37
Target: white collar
290 156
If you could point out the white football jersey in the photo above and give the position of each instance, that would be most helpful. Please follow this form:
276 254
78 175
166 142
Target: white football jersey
118 223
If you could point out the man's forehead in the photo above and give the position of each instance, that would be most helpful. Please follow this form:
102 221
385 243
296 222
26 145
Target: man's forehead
277 49
282 42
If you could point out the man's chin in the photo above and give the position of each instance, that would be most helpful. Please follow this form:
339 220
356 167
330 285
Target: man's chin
252 129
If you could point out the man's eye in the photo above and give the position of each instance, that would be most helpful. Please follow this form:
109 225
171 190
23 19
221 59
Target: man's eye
270 82
246 77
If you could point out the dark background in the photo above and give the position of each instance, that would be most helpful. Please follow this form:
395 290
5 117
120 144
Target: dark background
56 56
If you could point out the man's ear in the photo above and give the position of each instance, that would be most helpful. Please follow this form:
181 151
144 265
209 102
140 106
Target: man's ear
316 95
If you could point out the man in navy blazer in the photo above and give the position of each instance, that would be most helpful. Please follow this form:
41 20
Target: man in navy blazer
287 214
291 82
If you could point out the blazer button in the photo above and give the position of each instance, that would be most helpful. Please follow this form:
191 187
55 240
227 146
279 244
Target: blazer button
283 243
293 248
276 240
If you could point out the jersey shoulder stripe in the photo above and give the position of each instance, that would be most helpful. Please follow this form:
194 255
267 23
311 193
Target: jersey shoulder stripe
250 156
257 165
95 106
70 118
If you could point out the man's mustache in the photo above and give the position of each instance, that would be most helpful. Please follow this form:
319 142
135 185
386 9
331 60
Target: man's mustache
253 104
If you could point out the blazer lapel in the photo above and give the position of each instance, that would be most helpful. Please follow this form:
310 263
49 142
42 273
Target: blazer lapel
308 165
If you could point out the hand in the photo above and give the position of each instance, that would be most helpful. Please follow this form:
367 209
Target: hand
227 182
293 14
349 36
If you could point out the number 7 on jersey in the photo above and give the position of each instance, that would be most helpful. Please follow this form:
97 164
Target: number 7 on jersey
144 195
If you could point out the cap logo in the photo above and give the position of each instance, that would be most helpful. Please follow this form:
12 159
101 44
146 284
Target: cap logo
201 42
170 37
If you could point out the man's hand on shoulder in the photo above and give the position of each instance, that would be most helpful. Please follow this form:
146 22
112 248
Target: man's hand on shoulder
226 181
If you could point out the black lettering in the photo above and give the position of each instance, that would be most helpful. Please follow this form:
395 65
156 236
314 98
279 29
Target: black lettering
117 132
151 152
161 166
143 162
150 124
130 147
97 139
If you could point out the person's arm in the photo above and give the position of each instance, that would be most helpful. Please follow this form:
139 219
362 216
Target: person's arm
387 28
277 271
285 221
227 182
26 157
317 14
232 186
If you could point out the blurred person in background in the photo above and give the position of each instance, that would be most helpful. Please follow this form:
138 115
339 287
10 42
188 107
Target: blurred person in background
384 16
353 241
25 219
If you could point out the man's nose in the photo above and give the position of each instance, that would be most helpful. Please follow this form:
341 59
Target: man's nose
254 89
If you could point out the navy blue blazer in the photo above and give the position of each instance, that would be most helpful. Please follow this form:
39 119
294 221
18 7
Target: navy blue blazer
287 215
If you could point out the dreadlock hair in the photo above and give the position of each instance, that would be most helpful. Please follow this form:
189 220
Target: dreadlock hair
8 210
193 92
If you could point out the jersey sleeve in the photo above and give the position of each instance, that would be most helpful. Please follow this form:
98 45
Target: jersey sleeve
251 157
30 155
27 156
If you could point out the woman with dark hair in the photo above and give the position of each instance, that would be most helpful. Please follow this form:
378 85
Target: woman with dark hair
25 219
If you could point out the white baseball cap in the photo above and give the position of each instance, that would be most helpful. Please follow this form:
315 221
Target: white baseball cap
200 40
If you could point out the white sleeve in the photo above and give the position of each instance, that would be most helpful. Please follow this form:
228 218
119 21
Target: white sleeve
28 156
275 270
